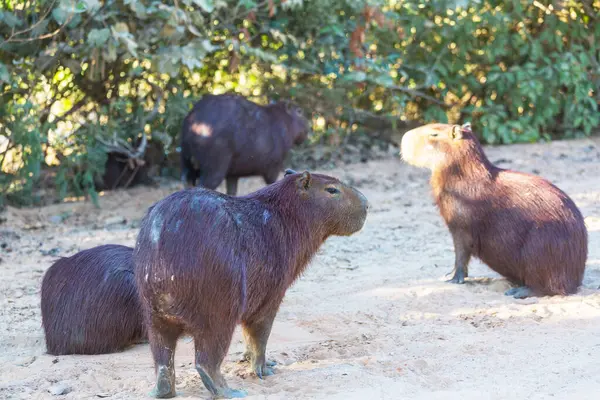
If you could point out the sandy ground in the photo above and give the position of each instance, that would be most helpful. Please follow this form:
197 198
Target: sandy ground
371 319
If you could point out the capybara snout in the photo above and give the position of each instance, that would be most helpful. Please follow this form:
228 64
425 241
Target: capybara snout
299 123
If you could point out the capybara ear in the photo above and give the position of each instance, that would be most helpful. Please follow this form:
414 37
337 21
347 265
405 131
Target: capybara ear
456 132
289 171
466 127
304 180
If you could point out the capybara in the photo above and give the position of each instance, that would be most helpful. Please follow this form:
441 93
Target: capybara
520 225
90 304
206 261
227 137
121 170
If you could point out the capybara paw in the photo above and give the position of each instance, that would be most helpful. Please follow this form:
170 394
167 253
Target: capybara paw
163 389
231 394
520 292
456 279
162 392
263 370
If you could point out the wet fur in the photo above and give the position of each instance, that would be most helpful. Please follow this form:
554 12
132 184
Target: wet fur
243 139
520 225
206 261
90 304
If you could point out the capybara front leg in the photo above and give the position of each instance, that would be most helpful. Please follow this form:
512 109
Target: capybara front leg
211 349
256 333
232 184
462 255
520 292
162 344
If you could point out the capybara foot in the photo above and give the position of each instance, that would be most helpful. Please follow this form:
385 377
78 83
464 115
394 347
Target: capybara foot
456 279
459 277
262 370
520 292
165 388
221 391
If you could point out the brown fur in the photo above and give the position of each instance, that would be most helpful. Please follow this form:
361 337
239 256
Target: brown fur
206 261
520 225
119 171
227 137
90 303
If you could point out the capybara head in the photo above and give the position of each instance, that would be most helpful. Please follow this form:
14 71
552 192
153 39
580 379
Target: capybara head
342 207
299 125
429 145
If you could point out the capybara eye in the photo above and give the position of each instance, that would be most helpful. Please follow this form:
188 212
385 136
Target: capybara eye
332 190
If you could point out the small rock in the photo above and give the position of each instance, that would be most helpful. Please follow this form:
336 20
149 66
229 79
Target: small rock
52 252
115 220
27 361
59 389
56 219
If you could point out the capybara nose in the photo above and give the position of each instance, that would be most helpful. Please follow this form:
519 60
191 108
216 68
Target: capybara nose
365 203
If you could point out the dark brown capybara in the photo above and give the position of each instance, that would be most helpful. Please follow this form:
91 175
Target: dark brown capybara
520 225
206 261
90 304
127 168
227 137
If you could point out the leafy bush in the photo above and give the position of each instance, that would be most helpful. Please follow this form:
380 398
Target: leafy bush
75 73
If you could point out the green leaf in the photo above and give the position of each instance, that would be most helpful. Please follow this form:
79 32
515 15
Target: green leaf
60 15
10 19
98 37
111 52
206 5
4 73
355 76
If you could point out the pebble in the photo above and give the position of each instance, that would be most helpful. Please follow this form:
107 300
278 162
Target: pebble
59 389
56 219
115 220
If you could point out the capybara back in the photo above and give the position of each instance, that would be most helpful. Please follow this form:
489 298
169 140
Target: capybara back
89 302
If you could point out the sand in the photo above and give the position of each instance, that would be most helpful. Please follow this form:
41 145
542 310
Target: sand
371 319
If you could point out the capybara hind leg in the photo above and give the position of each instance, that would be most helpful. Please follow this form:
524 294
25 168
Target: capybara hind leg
232 185
462 255
211 349
162 343
256 335
520 292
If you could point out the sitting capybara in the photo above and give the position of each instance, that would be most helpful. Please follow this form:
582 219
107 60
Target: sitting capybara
228 136
206 261
520 225
90 303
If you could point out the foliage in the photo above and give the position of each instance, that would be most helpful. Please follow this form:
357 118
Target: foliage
74 73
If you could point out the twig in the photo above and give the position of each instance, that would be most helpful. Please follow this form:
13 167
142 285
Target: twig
33 26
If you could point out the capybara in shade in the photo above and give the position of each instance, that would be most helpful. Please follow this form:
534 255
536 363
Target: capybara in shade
127 169
90 303
227 137
520 225
206 261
